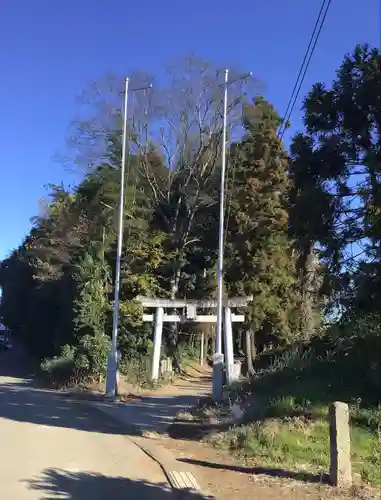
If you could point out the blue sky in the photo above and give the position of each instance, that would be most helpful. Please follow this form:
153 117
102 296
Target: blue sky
50 50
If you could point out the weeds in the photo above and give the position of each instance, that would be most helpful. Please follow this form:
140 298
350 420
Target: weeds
136 370
299 442
286 408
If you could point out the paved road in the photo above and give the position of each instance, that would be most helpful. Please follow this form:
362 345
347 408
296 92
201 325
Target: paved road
56 448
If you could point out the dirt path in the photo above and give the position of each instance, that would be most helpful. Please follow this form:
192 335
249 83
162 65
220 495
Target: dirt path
195 381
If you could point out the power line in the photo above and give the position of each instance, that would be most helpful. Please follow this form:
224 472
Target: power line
305 64
304 59
298 84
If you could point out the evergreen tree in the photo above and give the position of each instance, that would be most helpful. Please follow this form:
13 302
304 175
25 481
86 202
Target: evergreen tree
259 254
336 172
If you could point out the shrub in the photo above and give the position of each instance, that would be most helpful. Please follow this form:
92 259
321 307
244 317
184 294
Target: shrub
87 360
59 369
136 370
91 355
186 351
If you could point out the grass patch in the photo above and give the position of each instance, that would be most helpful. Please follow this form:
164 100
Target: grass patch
286 407
136 371
299 442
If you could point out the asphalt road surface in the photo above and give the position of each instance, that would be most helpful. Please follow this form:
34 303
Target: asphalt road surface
55 448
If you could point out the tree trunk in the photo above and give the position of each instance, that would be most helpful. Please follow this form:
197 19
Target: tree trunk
249 369
173 334
253 346
309 286
206 346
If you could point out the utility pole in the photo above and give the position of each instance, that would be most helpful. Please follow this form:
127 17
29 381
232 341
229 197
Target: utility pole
112 364
221 223
218 359
112 360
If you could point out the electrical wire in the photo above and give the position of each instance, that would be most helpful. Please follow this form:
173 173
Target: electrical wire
304 60
322 15
305 64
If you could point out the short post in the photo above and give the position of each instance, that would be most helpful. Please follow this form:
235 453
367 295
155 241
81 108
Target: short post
157 344
340 473
229 350
217 377
117 377
111 379
202 349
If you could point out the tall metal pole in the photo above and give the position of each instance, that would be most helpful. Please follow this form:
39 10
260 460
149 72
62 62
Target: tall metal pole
221 224
379 24
112 362
218 360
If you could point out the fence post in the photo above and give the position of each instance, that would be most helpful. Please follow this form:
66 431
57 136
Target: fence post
340 472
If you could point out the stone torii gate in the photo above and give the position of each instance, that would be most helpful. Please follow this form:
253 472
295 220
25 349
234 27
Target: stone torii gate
191 316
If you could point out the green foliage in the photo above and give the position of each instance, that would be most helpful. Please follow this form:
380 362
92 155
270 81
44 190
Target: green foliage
90 358
303 237
259 253
62 293
291 220
136 370
286 425
335 172
87 360
90 304
59 369
343 365
186 351
57 286
299 443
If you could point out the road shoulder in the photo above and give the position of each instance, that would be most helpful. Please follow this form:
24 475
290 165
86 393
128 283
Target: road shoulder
180 476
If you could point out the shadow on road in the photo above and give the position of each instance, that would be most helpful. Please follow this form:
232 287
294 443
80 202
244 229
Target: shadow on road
272 472
22 400
58 483
23 403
